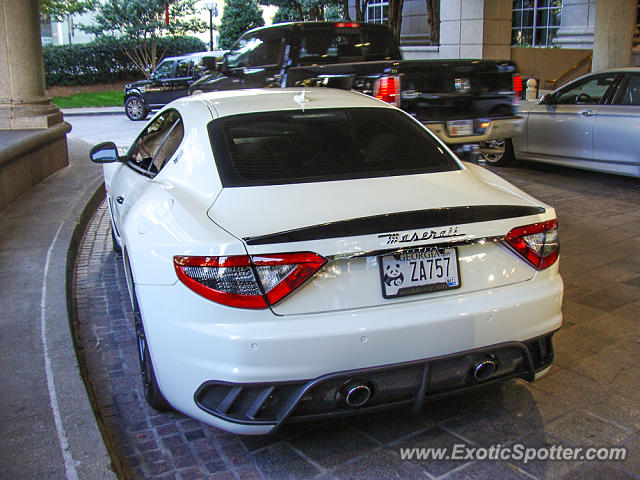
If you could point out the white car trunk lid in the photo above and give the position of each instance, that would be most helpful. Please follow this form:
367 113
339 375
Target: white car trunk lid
352 222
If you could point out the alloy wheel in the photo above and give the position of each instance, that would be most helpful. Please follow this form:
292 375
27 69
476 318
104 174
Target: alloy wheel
495 144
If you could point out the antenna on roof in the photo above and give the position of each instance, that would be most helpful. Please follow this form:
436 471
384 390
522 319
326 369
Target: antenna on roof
301 99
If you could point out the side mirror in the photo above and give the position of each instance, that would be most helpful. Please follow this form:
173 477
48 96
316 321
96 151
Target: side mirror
546 99
105 152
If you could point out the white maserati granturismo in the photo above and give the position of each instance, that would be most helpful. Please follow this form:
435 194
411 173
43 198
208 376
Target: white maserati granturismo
298 254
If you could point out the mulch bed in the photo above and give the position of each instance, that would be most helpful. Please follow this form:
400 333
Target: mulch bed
66 91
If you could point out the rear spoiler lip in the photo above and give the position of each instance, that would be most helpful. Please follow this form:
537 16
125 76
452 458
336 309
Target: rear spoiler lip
399 221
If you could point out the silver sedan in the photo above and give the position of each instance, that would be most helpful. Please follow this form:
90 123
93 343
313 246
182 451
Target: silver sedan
592 122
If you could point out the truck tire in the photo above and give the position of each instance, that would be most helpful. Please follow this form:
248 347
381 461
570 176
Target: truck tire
135 108
504 152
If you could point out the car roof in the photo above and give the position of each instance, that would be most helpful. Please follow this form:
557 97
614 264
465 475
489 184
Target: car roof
289 25
234 102
599 72
192 55
620 69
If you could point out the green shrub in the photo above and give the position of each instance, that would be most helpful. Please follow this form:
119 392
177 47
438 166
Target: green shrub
105 60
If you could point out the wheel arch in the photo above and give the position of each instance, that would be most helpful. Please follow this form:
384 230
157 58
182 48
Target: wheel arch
134 93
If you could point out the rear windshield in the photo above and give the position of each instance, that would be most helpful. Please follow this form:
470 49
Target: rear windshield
329 44
322 145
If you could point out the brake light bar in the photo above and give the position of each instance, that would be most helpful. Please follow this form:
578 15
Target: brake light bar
517 88
538 243
247 282
346 25
387 89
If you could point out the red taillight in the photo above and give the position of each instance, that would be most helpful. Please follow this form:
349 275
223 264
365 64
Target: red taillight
517 88
346 25
387 89
232 280
537 243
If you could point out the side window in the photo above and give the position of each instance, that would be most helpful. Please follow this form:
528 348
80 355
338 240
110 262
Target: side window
156 144
184 68
241 51
258 49
586 92
629 93
164 70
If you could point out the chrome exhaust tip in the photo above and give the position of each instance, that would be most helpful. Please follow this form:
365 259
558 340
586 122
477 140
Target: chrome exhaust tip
355 393
485 370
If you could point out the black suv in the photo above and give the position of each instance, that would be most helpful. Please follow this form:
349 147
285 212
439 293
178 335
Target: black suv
170 80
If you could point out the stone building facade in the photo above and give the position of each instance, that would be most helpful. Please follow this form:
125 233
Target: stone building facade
506 29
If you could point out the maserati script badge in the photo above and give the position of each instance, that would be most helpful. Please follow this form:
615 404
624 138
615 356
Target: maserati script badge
417 236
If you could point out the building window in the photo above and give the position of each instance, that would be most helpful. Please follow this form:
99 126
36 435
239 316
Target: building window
377 12
46 34
535 23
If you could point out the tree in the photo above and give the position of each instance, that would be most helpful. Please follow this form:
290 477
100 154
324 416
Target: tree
433 21
395 17
238 17
143 22
58 9
310 10
360 7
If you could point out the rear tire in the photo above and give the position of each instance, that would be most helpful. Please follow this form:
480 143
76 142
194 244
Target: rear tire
504 155
152 393
135 108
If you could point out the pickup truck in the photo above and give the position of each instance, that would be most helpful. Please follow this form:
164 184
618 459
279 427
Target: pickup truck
466 103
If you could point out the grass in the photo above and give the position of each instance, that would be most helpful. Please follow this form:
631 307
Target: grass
91 99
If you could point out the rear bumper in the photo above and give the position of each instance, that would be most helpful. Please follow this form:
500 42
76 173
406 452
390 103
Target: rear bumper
208 344
412 383
498 128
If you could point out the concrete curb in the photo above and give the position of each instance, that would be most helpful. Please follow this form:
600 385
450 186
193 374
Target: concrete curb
90 112
80 218
86 445
85 442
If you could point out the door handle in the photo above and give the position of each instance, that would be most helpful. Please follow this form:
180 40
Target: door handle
120 199
587 113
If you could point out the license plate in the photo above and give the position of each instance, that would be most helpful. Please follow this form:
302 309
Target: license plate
460 128
418 271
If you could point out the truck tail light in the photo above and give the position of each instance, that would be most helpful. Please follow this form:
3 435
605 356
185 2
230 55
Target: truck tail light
517 88
387 89
247 282
537 243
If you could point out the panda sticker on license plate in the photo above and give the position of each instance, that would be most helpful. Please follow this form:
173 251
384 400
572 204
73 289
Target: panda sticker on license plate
417 271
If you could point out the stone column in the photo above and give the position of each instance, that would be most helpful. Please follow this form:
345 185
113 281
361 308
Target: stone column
23 100
496 30
613 38
577 24
475 29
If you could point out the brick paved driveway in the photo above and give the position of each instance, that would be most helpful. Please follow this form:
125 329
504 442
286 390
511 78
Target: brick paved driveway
591 397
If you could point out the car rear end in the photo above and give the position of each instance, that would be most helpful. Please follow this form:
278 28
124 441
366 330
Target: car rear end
366 268
468 104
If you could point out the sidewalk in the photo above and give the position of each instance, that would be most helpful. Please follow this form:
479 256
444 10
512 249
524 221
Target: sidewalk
48 426
92 111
